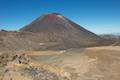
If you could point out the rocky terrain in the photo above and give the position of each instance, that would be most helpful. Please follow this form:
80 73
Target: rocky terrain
20 67
95 63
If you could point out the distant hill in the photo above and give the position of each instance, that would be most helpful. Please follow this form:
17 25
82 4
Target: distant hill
114 38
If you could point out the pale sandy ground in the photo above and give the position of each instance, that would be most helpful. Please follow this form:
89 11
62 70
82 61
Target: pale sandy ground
95 63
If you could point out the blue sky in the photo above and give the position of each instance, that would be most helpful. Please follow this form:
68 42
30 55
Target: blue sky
99 16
